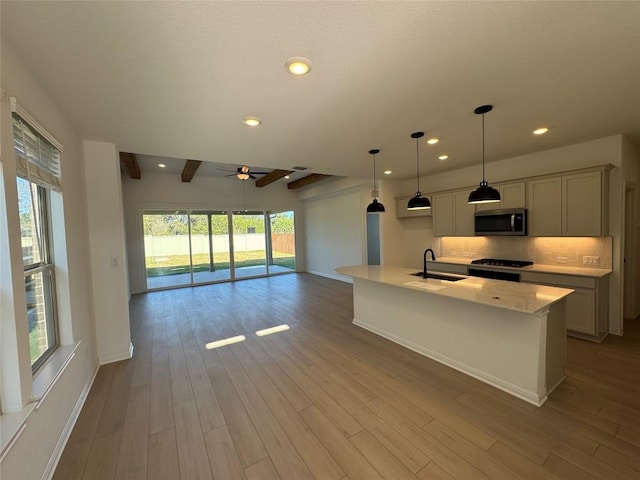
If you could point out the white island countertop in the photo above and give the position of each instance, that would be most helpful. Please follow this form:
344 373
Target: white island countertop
519 297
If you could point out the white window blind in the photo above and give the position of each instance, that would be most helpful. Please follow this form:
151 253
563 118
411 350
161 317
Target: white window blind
38 158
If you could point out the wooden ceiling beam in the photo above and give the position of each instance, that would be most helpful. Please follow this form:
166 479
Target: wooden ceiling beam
189 170
271 177
128 160
308 180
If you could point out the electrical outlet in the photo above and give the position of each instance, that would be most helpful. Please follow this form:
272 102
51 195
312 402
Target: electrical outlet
114 261
590 260
562 259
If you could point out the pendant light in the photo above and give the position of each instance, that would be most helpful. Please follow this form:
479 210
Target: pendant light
418 202
375 206
484 193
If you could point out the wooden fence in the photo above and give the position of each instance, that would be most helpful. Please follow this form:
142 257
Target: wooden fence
283 242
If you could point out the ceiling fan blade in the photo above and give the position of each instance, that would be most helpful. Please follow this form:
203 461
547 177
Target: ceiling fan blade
226 170
252 177
259 173
231 175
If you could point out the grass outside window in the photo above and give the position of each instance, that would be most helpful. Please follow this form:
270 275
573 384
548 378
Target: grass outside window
179 264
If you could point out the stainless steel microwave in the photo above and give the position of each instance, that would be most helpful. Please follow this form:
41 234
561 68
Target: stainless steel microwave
507 221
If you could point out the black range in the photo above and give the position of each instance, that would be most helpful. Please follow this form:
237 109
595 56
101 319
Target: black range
496 262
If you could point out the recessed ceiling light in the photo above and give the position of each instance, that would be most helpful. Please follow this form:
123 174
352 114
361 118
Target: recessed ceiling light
287 177
388 172
540 131
161 165
298 66
443 157
251 121
433 141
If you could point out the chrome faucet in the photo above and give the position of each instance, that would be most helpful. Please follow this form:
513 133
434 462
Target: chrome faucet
424 258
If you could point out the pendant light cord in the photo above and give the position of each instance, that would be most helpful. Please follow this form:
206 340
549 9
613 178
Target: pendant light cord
418 164
483 148
374 172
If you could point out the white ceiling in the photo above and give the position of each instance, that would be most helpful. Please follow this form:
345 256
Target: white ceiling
174 79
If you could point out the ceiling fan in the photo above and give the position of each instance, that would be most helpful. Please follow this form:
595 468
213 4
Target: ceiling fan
243 173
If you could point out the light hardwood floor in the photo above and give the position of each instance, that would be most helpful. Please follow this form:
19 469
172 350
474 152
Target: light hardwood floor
328 400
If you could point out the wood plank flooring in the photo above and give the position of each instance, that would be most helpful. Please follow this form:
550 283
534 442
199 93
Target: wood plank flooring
327 400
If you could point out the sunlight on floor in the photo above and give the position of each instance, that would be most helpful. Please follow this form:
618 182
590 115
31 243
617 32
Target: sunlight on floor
242 338
225 341
269 331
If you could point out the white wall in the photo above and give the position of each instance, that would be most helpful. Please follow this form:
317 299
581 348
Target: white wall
405 239
162 191
107 246
35 451
335 225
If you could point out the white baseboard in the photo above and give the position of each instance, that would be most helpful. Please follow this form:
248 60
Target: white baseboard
333 276
116 357
68 428
535 398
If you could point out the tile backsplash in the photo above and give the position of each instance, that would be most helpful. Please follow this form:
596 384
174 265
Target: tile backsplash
566 251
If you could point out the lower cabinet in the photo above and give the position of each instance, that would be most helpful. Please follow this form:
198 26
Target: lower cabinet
587 306
581 311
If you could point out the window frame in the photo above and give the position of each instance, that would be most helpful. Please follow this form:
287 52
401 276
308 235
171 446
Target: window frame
46 266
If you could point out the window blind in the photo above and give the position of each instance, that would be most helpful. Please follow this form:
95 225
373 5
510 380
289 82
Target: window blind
37 160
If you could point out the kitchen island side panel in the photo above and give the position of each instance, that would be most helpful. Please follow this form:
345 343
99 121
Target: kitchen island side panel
504 348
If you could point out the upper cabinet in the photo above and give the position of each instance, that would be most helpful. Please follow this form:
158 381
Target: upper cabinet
452 215
401 208
543 204
442 206
582 204
570 205
463 221
512 195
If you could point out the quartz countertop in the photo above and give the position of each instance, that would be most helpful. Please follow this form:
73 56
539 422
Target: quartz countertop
536 267
519 297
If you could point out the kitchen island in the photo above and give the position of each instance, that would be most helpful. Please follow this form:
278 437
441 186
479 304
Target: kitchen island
507 334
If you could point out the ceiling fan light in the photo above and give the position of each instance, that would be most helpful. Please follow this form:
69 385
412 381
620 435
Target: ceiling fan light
375 207
418 202
484 194
243 176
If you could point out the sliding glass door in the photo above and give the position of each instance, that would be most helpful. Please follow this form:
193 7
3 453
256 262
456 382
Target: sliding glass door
187 247
282 244
210 252
166 248
249 244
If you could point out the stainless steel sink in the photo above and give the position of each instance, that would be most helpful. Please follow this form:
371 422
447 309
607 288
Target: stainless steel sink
439 276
